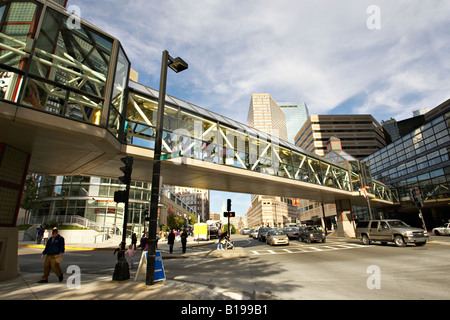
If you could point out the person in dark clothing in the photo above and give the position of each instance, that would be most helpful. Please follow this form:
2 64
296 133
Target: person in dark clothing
40 235
54 250
183 236
171 240
144 242
134 240
120 253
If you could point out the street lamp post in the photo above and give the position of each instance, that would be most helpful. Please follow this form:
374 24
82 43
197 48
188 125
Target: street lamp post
176 65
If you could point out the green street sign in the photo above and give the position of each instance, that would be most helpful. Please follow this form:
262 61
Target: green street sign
172 155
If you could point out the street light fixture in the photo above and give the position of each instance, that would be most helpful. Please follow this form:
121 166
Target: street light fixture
176 65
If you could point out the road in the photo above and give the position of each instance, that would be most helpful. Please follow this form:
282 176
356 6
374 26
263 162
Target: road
331 270
338 269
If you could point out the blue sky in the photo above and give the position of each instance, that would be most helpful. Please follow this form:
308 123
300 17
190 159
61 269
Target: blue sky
320 52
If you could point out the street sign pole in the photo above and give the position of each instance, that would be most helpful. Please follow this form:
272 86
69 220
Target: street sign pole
229 231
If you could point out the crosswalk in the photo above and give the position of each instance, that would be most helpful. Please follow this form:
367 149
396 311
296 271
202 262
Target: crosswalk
301 248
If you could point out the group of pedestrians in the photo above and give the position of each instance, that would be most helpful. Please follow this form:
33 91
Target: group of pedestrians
171 240
55 247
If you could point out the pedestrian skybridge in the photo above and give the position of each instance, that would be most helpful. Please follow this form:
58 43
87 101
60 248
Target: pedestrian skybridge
67 101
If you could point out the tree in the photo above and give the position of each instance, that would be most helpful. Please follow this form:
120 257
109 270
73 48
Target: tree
192 219
233 229
30 197
175 222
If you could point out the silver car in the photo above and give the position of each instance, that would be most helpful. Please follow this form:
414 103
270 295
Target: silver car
291 232
274 237
254 233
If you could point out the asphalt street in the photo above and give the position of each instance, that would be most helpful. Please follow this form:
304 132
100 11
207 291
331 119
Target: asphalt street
333 270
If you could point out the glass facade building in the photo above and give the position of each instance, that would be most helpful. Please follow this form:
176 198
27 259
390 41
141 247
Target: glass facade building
91 198
420 159
46 63
296 114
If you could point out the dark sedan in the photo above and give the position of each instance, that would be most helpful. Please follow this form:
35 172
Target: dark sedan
311 233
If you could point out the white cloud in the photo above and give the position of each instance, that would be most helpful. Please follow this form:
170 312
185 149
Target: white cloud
320 52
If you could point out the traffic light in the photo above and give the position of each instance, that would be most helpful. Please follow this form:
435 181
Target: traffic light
228 205
418 194
146 216
127 169
229 214
121 196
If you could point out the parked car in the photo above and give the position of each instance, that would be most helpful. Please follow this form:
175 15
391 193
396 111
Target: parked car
245 231
291 232
262 232
254 234
395 231
444 230
274 237
311 233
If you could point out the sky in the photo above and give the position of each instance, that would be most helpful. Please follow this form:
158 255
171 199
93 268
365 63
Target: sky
385 58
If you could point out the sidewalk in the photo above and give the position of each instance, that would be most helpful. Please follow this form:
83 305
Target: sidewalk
102 287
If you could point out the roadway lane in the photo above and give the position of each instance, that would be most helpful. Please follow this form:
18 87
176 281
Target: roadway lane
333 270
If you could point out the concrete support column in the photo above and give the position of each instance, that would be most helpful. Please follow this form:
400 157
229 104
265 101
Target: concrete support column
344 217
13 170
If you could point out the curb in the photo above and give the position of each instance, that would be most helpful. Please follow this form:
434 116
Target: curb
40 246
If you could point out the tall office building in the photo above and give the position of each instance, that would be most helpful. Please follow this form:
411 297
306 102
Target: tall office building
266 115
360 134
296 114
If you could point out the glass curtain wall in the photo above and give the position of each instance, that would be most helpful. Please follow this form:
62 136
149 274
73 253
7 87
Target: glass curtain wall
419 159
59 68
90 198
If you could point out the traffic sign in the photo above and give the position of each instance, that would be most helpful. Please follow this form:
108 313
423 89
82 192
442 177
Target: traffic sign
159 274
171 155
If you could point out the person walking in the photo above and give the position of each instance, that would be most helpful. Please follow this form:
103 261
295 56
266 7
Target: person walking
40 235
171 240
45 238
119 251
130 252
134 240
144 242
53 251
183 236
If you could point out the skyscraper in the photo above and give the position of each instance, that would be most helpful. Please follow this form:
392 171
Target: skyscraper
266 115
360 134
296 114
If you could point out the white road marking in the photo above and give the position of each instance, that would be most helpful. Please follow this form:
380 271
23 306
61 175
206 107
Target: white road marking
309 249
